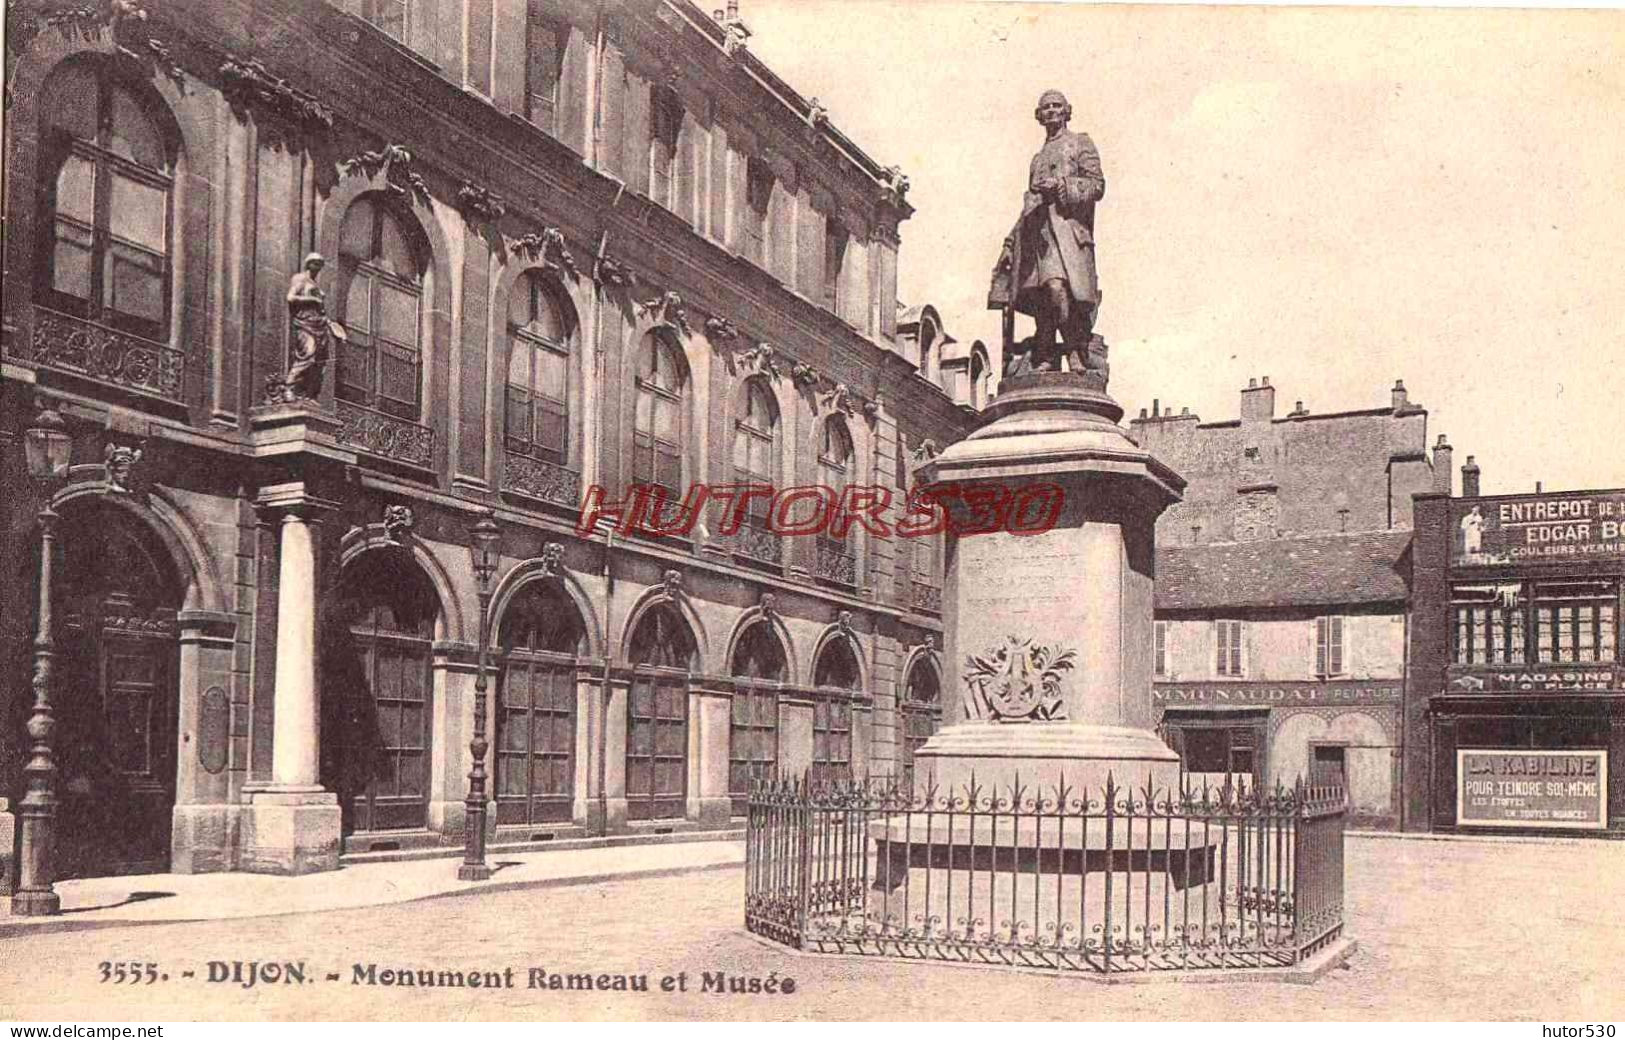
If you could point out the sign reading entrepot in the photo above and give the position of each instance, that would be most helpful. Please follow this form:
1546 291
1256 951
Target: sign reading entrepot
1545 789
1543 529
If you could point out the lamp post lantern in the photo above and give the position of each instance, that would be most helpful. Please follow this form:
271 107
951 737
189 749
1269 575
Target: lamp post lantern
485 550
49 450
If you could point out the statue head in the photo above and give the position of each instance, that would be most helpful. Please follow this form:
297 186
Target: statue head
314 262
1055 102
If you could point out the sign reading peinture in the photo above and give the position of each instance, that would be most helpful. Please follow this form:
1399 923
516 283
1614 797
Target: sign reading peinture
1279 694
1583 525
1544 789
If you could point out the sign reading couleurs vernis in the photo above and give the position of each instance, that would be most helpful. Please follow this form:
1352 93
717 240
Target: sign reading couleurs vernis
1580 525
1543 789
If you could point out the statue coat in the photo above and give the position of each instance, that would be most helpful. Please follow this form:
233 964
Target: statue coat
1054 237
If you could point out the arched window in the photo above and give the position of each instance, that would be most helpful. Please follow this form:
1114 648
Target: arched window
380 364
376 693
660 416
837 677
928 343
107 202
922 712
836 560
540 330
541 634
753 733
756 461
657 716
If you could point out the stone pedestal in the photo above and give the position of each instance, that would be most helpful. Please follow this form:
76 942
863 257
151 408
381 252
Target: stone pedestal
1050 635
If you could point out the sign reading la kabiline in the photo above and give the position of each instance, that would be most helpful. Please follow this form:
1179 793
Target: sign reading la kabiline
1543 789
1563 528
1280 694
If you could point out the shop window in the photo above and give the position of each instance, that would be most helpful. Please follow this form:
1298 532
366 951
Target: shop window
1219 754
753 731
1489 624
1576 622
1328 767
108 176
545 41
1329 646
380 363
536 418
540 635
1228 641
1160 651
661 652
659 418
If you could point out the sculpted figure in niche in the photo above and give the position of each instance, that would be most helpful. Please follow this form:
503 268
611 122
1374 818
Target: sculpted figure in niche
1047 268
307 309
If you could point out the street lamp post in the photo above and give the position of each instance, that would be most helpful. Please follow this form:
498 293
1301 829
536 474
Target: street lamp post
49 449
485 549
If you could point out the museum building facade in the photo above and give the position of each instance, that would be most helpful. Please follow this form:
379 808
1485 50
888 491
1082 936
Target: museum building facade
569 245
1281 593
1515 696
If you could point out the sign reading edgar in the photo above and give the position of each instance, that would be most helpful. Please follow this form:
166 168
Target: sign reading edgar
1583 525
1544 789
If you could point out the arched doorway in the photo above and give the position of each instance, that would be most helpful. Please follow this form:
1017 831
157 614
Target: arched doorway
758 668
116 684
922 712
837 677
662 652
541 635
376 692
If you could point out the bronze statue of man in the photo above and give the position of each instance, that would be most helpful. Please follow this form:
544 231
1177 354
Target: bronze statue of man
1047 269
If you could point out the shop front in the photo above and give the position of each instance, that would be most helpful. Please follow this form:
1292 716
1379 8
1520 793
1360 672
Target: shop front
1516 704
1335 732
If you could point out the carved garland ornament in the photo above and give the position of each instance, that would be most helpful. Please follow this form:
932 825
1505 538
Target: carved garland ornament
1018 681
549 249
480 204
246 81
395 163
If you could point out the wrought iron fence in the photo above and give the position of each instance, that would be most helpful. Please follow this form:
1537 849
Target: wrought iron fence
1124 880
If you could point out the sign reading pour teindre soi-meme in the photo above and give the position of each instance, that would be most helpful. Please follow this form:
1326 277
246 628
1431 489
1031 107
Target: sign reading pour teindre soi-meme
1544 789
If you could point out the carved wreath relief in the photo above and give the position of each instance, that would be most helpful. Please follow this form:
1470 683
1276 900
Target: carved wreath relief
1018 681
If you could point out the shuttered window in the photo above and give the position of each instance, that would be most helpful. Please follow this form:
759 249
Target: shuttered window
1328 646
537 417
1228 639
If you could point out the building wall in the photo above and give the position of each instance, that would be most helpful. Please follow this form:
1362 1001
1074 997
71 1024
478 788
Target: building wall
1284 647
1262 476
279 119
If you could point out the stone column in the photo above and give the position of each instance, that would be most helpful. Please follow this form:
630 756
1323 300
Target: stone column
292 825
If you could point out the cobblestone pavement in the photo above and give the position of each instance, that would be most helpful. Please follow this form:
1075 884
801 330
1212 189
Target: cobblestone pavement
1447 930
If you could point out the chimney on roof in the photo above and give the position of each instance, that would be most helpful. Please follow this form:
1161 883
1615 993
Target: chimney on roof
1469 478
1444 473
1402 398
1258 401
1156 408
733 9
1538 488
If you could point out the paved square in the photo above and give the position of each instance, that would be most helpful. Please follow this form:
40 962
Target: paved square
1447 930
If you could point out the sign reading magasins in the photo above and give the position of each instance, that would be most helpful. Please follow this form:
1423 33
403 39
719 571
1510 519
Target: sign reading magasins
1583 525
1543 789
1550 678
1280 694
